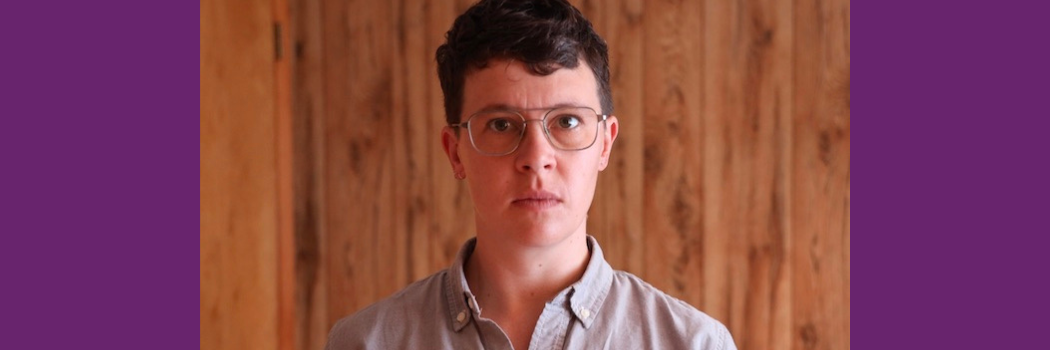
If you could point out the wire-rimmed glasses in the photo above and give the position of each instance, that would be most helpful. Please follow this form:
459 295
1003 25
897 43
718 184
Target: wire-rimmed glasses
499 132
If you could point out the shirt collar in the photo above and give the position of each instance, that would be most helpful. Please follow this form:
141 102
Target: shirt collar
586 295
457 292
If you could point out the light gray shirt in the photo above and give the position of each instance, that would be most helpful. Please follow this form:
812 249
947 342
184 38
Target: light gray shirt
605 309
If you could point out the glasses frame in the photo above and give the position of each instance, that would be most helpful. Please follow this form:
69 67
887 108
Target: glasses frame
525 125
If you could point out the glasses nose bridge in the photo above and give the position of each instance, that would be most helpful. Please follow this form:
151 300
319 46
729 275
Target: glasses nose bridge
525 123
543 117
543 129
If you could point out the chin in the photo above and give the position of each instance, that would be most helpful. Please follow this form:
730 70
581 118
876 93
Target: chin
535 229
543 235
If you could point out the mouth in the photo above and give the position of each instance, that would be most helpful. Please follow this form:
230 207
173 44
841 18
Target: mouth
537 200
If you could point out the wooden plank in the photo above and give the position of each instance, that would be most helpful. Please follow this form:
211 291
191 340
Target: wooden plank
306 60
626 174
673 149
390 266
412 66
357 99
239 209
615 219
821 181
284 148
747 126
453 212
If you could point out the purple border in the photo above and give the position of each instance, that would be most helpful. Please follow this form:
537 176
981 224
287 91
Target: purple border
953 168
101 162
100 153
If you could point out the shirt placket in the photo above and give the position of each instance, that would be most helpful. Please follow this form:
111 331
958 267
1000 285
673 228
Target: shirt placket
552 326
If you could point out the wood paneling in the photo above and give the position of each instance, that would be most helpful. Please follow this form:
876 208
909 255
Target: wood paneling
308 130
674 144
356 95
747 118
393 213
239 183
728 186
614 219
820 183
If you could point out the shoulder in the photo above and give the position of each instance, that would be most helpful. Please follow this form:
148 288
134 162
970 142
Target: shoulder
384 323
669 320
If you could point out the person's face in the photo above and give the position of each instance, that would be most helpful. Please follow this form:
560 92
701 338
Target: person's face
537 195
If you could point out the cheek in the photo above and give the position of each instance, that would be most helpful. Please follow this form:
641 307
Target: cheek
486 179
592 162
585 173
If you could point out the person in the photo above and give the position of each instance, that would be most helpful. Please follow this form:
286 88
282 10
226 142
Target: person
528 106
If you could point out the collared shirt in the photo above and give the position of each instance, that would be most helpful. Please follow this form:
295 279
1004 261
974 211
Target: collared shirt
605 309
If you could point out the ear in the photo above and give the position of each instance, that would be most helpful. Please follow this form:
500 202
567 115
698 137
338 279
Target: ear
612 127
450 142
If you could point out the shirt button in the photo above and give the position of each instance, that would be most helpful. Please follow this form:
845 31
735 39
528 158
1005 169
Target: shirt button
462 316
585 313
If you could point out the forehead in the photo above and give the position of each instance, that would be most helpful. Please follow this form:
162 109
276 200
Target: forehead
510 83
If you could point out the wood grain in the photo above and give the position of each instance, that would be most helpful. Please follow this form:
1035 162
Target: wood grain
821 181
614 218
452 220
357 98
674 146
308 129
284 150
747 114
239 199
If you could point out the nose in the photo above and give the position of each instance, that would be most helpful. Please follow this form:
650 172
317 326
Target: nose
535 153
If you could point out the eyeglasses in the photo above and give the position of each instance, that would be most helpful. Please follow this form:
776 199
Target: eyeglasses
499 132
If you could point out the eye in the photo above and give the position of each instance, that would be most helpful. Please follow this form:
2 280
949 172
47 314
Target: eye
500 124
567 121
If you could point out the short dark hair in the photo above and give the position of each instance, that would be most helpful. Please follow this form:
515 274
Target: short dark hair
545 35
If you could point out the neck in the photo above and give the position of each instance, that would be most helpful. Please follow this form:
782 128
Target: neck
509 280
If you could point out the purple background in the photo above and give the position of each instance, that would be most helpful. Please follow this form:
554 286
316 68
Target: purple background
952 160
100 163
99 153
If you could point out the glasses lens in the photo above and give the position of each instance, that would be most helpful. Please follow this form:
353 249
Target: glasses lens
572 128
495 132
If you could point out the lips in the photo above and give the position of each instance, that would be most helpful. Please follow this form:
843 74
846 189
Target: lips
537 199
